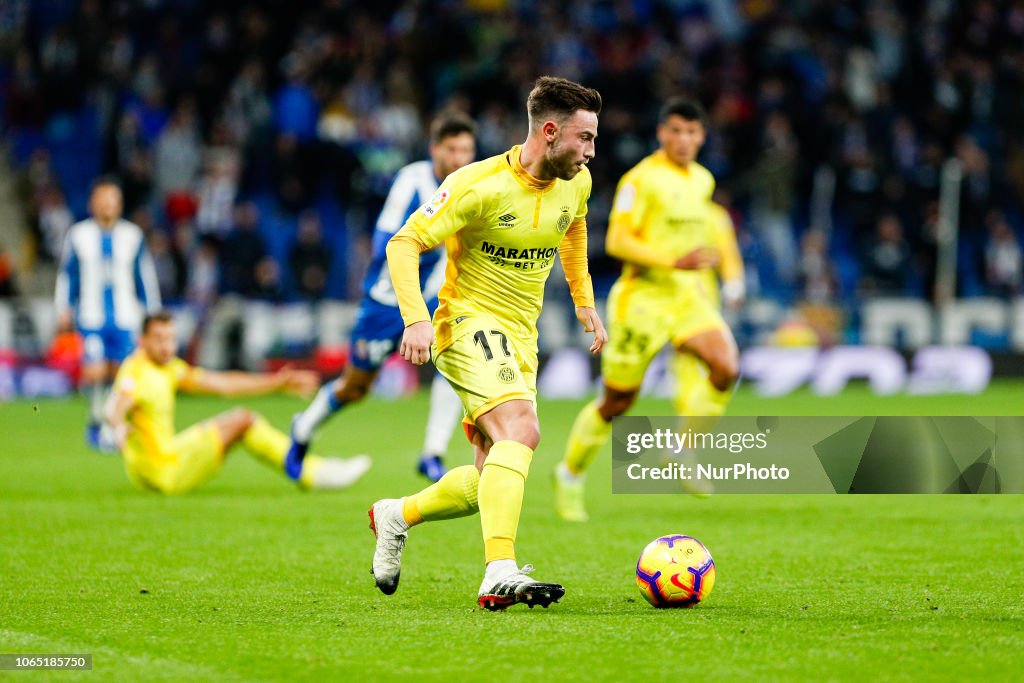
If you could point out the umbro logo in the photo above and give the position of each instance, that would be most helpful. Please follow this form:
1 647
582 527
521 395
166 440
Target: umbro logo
507 220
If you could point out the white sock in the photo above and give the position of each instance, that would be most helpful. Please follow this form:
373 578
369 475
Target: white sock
499 569
97 401
565 475
445 412
322 407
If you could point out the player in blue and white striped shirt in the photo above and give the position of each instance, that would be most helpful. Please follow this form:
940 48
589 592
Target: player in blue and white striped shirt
379 326
106 285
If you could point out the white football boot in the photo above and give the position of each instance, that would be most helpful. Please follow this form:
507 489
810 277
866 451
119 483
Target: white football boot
392 532
339 473
517 588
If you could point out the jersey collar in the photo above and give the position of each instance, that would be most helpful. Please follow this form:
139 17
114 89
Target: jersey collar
522 175
663 159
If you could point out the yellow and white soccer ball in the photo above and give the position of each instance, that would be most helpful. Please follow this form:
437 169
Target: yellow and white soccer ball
675 571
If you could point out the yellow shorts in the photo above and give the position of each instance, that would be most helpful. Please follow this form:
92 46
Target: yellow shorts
639 326
486 366
193 458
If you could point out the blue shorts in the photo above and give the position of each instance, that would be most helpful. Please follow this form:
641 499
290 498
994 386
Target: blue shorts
107 343
377 333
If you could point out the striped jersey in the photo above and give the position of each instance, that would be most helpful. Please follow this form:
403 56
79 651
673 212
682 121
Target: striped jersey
106 277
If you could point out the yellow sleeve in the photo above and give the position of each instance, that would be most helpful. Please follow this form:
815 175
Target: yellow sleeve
625 228
731 267
126 379
573 254
455 205
403 252
187 376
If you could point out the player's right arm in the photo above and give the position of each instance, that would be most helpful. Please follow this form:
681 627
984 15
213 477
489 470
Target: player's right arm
403 252
68 286
626 237
236 383
451 209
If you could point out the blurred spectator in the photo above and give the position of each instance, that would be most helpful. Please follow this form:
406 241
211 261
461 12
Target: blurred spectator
25 105
177 154
772 185
887 261
853 105
818 284
975 200
399 123
55 218
310 258
295 108
218 189
169 264
1002 258
137 179
246 268
203 275
247 112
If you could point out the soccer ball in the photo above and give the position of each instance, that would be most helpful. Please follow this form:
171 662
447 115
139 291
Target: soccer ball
675 571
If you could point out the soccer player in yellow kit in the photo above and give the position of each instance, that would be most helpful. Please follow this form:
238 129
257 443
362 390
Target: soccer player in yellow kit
664 227
693 387
140 414
502 220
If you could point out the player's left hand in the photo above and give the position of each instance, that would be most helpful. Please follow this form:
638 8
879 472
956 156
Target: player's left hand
592 323
302 383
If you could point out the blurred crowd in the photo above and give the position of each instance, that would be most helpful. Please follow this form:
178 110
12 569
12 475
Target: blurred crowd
256 140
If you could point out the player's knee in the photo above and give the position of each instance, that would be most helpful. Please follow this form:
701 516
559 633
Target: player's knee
243 417
724 370
615 403
525 429
530 434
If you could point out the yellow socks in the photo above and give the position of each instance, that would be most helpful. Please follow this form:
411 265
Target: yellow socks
589 433
266 443
270 446
501 497
497 493
691 378
695 394
454 495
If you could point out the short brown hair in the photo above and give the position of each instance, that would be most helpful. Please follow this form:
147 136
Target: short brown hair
449 124
158 317
560 98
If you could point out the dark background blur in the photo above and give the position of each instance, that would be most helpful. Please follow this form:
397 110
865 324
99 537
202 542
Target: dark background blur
256 140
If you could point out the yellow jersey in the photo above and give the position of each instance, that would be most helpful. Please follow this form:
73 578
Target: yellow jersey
153 388
662 211
502 229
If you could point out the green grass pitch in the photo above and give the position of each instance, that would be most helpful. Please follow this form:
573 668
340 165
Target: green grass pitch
250 579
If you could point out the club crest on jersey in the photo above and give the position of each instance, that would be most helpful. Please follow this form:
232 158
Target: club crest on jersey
506 374
507 220
564 220
435 204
